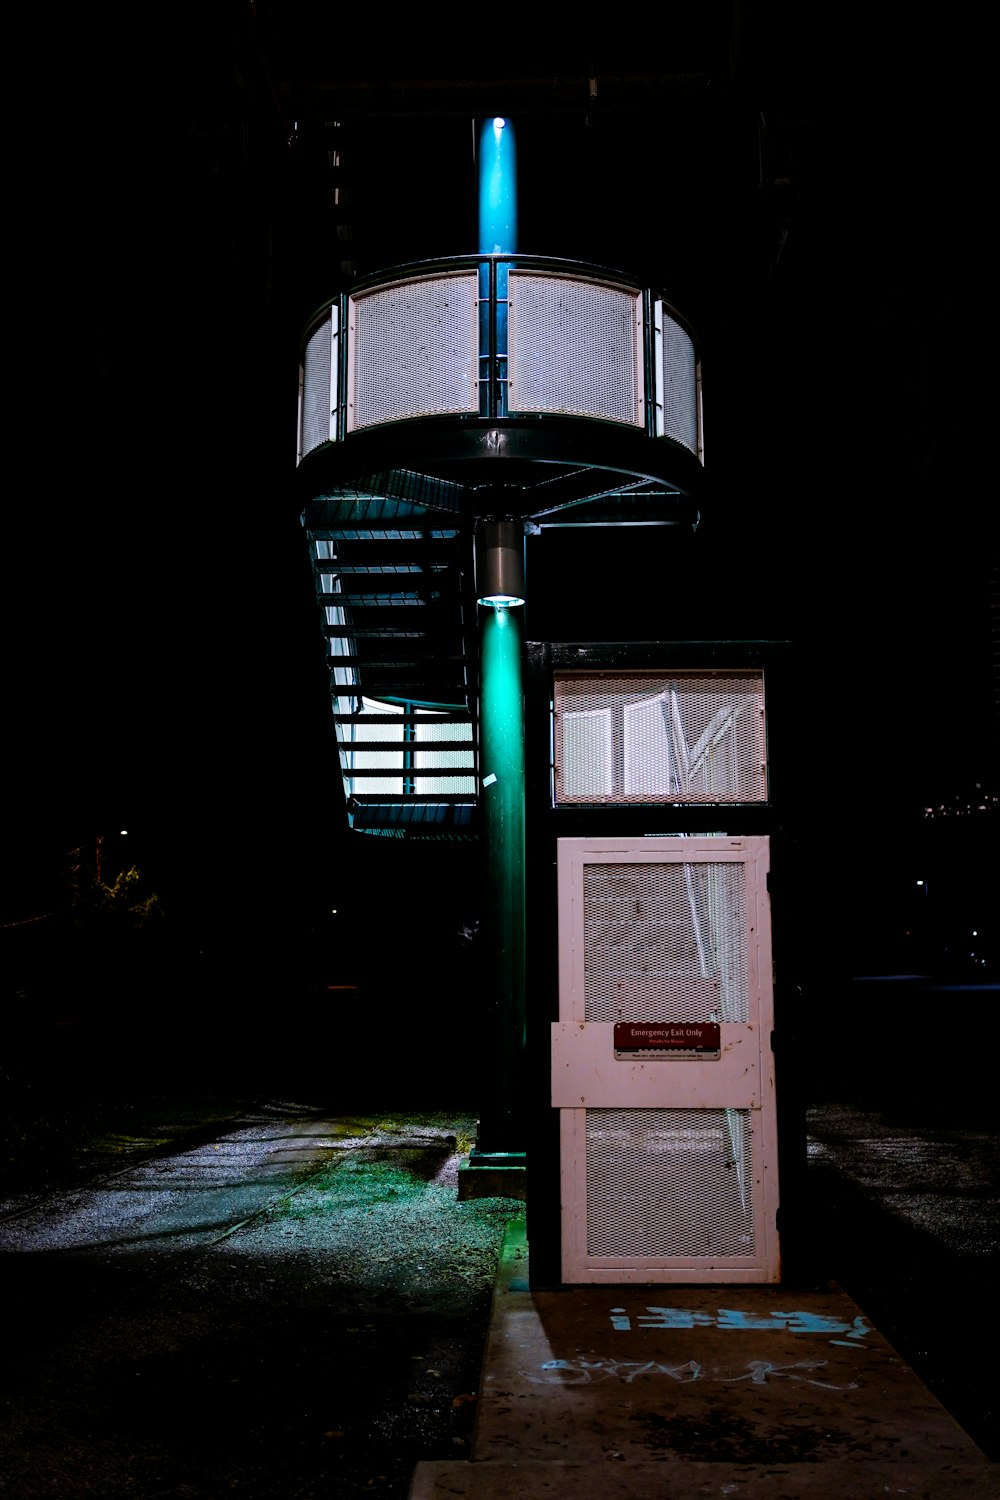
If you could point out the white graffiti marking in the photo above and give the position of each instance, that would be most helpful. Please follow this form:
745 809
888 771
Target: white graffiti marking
587 1372
758 1371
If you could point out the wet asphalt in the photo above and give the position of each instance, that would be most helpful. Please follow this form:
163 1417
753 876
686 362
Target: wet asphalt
293 1304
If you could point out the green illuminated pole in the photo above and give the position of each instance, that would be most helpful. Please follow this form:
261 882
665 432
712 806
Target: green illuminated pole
502 762
500 590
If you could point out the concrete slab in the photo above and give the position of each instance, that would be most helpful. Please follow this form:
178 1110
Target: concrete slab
685 1391
539 1480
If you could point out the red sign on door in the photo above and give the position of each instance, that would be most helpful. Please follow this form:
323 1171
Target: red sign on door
667 1036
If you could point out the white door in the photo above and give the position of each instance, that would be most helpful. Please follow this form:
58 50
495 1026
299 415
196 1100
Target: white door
662 1067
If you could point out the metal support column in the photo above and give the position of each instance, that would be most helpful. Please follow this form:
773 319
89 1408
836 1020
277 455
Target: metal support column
500 586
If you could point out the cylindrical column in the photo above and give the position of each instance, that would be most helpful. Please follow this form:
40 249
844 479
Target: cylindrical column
497 236
500 563
500 585
500 590
497 187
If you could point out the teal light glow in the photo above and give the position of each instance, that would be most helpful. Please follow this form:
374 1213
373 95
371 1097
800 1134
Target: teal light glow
497 188
497 236
502 754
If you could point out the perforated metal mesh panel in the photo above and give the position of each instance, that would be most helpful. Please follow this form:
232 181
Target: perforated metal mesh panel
686 737
462 758
575 348
414 350
381 743
317 395
665 942
679 385
669 1182
667 1158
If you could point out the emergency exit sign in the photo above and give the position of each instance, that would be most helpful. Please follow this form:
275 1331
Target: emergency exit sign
667 1039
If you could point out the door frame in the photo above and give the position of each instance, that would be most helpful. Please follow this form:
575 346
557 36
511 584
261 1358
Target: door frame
586 1074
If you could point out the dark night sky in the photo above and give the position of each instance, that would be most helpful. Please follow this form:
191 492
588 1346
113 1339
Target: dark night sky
165 668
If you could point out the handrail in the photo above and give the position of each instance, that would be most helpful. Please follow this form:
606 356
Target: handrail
397 360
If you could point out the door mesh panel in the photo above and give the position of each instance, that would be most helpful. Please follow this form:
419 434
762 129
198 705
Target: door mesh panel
415 350
665 942
687 737
575 348
669 1182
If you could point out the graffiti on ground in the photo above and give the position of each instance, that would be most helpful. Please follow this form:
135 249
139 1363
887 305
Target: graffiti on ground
757 1371
799 1321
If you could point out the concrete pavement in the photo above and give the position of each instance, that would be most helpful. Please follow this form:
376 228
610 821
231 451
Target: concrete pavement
686 1392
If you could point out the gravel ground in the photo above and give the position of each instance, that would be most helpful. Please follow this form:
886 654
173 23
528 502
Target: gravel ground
907 1220
297 1308
280 1303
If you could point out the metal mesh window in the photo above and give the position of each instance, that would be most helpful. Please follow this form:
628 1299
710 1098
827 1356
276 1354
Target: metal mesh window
462 758
687 737
384 742
378 745
669 1182
665 942
575 348
679 384
318 386
414 350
